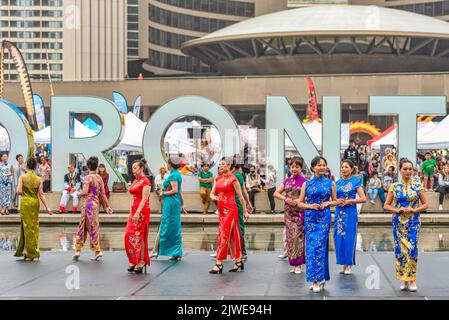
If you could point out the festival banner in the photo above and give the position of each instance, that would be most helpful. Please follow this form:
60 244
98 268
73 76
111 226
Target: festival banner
120 101
39 111
137 104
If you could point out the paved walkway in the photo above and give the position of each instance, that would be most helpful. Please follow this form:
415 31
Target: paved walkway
265 277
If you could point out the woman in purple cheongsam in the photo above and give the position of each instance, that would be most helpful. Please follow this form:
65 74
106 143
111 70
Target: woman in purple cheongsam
288 192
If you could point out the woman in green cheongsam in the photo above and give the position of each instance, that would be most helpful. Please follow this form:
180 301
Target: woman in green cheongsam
30 189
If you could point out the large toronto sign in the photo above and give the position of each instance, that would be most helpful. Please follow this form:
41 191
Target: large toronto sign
281 120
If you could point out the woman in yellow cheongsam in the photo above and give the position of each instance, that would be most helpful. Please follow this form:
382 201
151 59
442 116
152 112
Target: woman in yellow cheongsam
403 201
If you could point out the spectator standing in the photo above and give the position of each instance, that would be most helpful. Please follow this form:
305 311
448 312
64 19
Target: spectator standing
206 179
351 153
45 174
429 168
19 170
270 185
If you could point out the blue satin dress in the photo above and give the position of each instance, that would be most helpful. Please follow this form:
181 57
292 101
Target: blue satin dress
317 225
345 222
170 239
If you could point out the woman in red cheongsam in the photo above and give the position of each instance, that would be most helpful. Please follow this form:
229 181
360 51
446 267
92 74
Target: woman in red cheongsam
229 236
136 235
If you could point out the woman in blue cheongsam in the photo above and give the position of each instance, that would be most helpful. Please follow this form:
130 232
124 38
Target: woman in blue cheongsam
317 195
345 221
403 201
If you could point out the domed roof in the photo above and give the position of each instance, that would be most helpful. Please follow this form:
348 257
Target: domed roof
331 20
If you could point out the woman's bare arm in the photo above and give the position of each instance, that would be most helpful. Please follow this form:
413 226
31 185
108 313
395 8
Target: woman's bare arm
20 186
43 199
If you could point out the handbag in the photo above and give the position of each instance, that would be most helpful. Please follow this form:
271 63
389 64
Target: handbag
119 187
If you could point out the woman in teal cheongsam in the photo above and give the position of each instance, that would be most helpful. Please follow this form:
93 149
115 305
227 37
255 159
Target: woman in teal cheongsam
403 201
170 239
317 196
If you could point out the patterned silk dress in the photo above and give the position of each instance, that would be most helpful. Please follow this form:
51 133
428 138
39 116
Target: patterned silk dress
90 209
317 223
406 229
5 184
136 234
345 223
29 216
294 222
229 235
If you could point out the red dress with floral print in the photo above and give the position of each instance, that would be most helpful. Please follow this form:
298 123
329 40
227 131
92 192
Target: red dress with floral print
136 234
229 236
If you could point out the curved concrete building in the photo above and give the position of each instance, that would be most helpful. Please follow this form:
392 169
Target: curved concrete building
172 22
336 39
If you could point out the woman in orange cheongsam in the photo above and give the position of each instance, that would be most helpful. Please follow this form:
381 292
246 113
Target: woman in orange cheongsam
229 236
138 226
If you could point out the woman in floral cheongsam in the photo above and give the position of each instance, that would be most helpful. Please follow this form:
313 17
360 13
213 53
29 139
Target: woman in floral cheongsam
317 196
289 191
403 201
6 173
345 221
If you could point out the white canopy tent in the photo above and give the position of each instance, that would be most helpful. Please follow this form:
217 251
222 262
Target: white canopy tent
4 140
81 131
437 138
391 138
134 130
315 131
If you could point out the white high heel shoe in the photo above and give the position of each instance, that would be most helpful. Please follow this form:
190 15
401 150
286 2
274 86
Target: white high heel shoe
412 288
297 270
404 287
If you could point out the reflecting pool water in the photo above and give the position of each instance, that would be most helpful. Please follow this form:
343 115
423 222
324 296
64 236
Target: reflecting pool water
258 238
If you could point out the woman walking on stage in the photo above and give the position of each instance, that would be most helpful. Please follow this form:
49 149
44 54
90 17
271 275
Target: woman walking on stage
170 232
406 195
93 189
229 235
317 195
345 221
30 190
137 229
289 191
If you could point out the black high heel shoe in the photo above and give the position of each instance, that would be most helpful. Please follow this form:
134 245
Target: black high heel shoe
131 269
238 266
140 269
220 269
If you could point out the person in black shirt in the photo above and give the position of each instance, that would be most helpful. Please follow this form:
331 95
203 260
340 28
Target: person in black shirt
351 153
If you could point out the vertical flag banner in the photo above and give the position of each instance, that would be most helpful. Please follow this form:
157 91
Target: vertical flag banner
25 83
312 108
120 101
137 104
39 111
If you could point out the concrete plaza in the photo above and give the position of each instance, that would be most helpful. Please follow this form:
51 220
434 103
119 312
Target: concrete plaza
265 277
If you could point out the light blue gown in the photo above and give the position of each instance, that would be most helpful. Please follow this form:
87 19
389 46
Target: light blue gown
345 223
317 223
170 239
